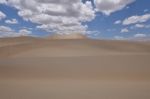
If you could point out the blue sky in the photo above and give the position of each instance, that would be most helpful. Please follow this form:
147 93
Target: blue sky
101 19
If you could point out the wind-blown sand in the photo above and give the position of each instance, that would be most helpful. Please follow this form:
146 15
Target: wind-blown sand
35 68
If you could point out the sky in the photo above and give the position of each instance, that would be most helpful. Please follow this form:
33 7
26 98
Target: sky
98 19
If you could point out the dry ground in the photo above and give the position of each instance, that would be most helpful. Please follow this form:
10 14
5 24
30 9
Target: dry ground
35 68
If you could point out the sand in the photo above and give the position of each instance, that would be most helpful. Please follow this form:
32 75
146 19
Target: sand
37 68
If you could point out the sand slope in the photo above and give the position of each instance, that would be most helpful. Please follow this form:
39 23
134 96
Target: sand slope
36 68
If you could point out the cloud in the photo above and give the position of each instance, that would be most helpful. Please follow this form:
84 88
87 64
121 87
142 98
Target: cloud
119 38
111 30
109 6
124 30
8 32
146 10
3 1
140 35
139 25
24 32
13 21
136 19
63 16
5 29
59 16
118 22
2 15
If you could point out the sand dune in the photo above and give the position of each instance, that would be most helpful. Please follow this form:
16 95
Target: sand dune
28 46
38 68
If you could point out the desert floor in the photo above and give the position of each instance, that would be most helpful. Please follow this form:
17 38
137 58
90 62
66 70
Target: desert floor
36 68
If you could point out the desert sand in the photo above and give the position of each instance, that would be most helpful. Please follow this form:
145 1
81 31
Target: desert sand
39 68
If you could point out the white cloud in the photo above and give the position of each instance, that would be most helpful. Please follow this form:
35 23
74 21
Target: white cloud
119 38
2 15
117 22
5 29
13 21
63 16
140 35
3 1
24 32
140 25
146 10
136 19
124 30
55 15
8 32
93 33
109 6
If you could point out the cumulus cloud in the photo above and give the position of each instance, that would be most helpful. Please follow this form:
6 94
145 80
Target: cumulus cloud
63 16
55 15
109 6
2 15
12 21
136 19
8 32
124 30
